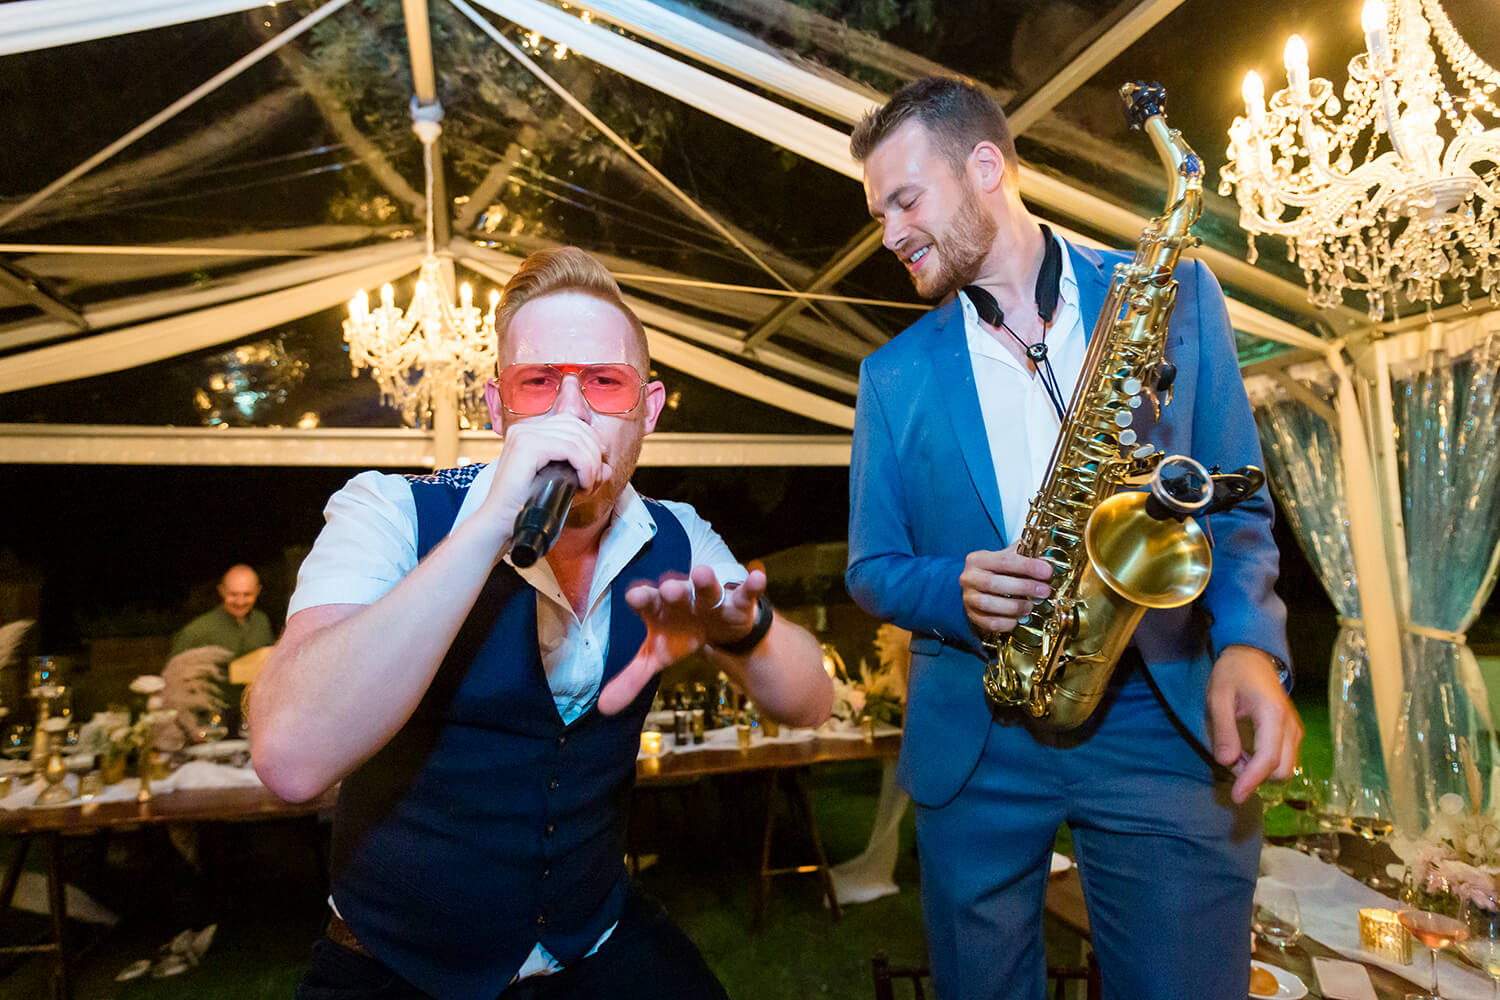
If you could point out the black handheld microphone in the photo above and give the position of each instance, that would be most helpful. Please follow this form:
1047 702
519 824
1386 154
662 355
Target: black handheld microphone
543 514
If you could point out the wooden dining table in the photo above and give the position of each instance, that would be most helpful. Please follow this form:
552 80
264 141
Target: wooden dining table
783 766
1065 902
50 825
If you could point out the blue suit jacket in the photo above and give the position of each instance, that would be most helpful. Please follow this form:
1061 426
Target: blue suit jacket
923 495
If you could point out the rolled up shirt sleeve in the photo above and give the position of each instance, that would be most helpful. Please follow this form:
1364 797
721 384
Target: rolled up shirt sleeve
368 543
708 548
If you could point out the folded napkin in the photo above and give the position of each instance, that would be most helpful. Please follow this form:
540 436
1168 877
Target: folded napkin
1330 902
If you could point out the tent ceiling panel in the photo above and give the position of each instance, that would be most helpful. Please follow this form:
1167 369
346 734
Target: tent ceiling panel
1009 46
709 168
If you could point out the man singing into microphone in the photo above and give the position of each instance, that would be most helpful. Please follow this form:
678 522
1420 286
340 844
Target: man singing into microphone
484 719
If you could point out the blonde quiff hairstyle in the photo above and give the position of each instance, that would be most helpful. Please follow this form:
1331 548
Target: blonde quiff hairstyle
558 270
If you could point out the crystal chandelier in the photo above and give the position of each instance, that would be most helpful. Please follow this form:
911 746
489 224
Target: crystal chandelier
437 351
1407 214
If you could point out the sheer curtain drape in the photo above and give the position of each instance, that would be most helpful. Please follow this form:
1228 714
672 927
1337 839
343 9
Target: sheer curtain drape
1299 435
1446 410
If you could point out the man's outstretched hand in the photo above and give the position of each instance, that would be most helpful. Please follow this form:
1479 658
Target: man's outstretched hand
681 616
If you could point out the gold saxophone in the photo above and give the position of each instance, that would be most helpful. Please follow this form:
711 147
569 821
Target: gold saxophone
1115 554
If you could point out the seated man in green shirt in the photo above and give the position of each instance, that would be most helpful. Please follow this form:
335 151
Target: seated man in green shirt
236 624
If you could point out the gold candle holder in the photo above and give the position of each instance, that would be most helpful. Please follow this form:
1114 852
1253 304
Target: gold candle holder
1381 935
651 743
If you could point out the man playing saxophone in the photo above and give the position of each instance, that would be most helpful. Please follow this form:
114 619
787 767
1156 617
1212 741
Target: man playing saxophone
956 422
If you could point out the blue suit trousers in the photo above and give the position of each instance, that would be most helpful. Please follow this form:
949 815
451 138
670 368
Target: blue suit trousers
1168 862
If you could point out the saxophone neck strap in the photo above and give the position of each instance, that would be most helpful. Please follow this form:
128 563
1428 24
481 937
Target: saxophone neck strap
1048 290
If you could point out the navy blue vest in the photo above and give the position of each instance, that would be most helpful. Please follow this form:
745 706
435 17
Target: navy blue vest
486 825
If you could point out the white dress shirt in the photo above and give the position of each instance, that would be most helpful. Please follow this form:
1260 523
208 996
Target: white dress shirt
1020 422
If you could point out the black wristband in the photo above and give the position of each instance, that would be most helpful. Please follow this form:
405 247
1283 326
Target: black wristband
764 613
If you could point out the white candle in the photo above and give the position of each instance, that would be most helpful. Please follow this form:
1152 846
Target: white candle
1254 93
1372 19
1296 67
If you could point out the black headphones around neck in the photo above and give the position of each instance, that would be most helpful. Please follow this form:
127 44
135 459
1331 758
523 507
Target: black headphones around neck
1048 287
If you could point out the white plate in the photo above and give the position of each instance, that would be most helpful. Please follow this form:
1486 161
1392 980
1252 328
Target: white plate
1288 986
1060 863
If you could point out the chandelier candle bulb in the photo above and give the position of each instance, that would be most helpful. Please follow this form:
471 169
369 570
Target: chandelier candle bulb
1254 93
1372 19
387 296
1296 67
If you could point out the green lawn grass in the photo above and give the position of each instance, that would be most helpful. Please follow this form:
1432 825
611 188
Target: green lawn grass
705 857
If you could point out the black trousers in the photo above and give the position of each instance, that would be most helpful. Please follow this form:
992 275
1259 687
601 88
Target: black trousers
646 958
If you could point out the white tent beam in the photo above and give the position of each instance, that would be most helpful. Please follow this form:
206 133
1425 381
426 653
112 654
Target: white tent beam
866 242
498 267
733 53
147 342
746 382
1098 54
172 110
93 444
158 304
768 120
827 146
46 24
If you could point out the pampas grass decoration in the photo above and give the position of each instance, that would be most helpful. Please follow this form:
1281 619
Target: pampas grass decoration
195 682
10 639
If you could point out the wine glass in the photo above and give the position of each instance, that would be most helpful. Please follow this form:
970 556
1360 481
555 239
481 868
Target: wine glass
1370 817
46 671
1481 915
1276 916
1435 930
15 741
1297 795
1331 817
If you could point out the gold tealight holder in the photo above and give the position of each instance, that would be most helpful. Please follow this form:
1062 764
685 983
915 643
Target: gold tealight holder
651 743
1381 935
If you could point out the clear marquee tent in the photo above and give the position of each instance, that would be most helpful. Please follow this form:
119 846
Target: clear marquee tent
193 189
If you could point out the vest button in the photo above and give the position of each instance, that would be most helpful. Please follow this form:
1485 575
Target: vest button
562 741
550 829
546 873
541 920
553 785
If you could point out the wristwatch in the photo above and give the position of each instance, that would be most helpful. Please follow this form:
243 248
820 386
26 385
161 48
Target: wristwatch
764 613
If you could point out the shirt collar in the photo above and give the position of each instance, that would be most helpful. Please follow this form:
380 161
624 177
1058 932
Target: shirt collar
983 344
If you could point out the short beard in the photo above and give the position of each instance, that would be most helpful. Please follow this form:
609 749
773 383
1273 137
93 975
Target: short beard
601 505
962 250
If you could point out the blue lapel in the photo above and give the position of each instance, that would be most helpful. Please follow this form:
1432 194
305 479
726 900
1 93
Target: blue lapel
1093 283
949 348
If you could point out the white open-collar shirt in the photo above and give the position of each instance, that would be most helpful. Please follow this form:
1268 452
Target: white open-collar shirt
1020 422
